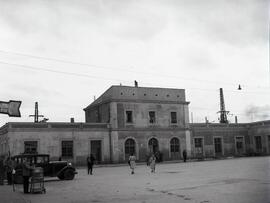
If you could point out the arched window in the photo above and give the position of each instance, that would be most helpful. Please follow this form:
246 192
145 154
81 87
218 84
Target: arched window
130 146
175 145
153 145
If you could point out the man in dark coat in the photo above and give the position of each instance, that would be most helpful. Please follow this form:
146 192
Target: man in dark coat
185 155
26 172
90 162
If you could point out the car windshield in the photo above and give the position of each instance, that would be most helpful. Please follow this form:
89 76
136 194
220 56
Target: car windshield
42 159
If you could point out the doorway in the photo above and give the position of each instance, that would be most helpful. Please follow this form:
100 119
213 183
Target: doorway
239 142
198 144
218 146
96 150
153 145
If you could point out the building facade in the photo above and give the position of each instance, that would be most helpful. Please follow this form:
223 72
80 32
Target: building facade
144 121
137 120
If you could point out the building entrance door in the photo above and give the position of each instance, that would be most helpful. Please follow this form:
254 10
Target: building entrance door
239 142
175 148
96 150
218 146
198 143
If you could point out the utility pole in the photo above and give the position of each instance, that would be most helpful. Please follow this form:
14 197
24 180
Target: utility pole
223 112
36 116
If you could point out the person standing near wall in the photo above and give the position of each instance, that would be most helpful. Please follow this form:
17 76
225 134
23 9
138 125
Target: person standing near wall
9 169
185 155
2 171
152 163
26 172
132 162
90 163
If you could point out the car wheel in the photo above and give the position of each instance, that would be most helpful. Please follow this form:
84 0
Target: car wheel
69 174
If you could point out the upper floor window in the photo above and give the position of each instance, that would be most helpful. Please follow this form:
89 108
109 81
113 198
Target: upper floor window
175 145
129 118
152 117
173 117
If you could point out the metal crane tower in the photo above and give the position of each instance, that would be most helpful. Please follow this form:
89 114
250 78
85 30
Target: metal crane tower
223 112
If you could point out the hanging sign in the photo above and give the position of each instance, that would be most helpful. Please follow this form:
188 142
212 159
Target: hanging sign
12 108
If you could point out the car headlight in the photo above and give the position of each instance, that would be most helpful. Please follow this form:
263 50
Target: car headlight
70 164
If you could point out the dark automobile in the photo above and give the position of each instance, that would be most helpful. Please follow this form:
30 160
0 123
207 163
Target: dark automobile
62 169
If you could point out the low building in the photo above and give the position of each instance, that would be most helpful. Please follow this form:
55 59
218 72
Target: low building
68 141
223 140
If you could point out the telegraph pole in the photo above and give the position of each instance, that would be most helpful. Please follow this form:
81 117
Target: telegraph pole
36 115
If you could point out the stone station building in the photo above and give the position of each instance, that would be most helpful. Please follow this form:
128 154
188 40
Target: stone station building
137 120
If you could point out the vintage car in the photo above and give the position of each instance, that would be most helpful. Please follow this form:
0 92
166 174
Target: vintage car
61 169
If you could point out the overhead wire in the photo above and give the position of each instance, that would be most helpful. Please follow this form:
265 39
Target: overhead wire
119 69
35 68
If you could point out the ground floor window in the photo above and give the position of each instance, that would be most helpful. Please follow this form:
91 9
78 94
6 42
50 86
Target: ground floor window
175 145
30 147
67 148
130 146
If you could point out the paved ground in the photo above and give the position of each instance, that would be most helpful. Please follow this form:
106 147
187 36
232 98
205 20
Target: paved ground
242 180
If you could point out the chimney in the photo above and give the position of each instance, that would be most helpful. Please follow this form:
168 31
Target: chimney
72 120
135 83
235 118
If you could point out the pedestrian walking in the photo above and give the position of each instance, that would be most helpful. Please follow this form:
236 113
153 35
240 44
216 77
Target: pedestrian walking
90 163
132 162
185 155
26 172
152 163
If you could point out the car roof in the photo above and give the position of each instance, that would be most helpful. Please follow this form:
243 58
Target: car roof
30 155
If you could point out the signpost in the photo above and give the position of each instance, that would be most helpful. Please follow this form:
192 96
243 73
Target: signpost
12 108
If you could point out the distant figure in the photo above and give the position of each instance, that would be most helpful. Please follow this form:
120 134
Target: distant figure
60 158
2 171
185 155
9 169
26 172
152 163
90 162
132 162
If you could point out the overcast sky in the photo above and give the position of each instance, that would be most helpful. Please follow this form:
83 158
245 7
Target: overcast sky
62 53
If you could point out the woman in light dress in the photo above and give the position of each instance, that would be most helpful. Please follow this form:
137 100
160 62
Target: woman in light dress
152 163
132 162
